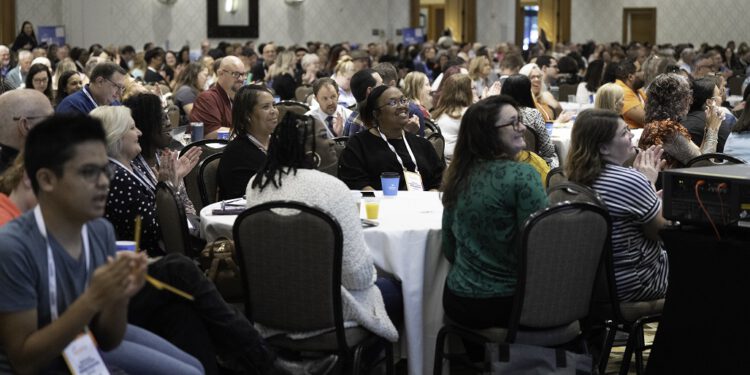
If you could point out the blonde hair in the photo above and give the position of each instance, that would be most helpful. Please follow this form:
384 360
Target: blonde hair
607 96
345 65
284 64
475 67
115 123
66 65
12 176
413 84
456 96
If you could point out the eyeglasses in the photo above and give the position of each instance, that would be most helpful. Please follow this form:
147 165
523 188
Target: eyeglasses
237 75
120 88
517 125
40 80
395 102
91 173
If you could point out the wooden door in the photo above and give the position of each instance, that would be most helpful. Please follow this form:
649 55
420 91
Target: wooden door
8 22
639 25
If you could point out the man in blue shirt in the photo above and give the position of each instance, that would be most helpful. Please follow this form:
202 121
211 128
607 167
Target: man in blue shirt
107 83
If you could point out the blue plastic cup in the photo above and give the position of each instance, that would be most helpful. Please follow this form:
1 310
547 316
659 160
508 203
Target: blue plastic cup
125 245
390 181
549 125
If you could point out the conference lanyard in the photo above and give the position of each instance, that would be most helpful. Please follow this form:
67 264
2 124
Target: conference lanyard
257 143
148 184
86 92
51 271
408 148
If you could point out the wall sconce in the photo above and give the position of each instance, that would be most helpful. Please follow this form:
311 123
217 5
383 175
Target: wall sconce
167 2
231 6
294 2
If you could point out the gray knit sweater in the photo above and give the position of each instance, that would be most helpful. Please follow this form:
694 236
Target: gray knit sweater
361 299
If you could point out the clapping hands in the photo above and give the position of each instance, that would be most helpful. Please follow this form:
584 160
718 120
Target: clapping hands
650 163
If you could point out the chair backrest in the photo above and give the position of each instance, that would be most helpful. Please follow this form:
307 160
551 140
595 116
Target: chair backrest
301 93
292 106
555 177
170 215
530 137
734 83
567 89
715 158
560 255
207 177
290 258
569 191
209 147
340 145
434 135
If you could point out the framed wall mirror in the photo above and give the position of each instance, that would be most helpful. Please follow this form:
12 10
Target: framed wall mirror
232 18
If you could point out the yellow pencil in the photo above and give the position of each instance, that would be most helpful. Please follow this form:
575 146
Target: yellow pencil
137 235
156 283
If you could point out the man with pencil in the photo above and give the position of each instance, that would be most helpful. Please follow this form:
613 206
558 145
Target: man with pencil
64 291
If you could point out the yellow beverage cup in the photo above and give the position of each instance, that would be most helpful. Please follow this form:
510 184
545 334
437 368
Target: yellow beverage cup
372 208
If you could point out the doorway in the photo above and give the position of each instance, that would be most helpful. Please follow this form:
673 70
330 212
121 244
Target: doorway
434 16
7 22
536 16
639 25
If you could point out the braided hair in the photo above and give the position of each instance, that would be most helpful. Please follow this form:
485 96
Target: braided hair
287 150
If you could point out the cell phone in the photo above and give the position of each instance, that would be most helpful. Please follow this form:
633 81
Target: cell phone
367 223
276 99
368 194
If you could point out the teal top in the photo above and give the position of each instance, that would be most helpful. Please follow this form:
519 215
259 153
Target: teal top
481 232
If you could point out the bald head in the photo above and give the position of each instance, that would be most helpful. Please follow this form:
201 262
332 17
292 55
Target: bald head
21 110
231 74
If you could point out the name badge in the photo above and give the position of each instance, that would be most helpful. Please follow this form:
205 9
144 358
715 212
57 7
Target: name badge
82 356
413 181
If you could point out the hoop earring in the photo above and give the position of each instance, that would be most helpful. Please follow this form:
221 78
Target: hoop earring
315 158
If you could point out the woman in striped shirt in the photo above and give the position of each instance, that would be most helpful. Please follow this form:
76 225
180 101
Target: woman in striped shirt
600 144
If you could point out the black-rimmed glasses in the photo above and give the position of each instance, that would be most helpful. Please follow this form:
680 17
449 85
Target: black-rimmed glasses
237 75
517 125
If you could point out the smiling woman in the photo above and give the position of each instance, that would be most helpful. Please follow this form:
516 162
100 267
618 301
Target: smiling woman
487 197
386 147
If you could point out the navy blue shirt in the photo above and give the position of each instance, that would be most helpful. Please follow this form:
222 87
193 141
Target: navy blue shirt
78 103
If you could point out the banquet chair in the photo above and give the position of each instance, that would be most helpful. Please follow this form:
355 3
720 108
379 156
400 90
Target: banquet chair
608 312
302 92
555 177
530 137
569 191
285 106
561 250
207 177
290 258
714 158
734 84
433 135
174 115
209 147
172 220
567 90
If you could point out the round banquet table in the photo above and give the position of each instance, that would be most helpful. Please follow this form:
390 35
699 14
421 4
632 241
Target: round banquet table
406 244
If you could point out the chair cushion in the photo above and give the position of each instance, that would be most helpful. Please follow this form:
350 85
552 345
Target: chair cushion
320 343
543 337
631 311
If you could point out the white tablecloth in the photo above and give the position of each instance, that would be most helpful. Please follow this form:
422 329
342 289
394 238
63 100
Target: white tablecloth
406 244
561 138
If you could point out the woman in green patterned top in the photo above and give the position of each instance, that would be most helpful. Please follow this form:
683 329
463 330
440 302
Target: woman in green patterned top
487 197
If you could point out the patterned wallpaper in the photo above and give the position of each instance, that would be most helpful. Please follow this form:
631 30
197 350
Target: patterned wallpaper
695 21
137 21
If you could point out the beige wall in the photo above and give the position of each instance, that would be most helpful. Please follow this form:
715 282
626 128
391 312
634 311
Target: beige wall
138 21
695 21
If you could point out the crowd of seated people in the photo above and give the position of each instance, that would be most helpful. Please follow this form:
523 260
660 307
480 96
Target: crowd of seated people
378 96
